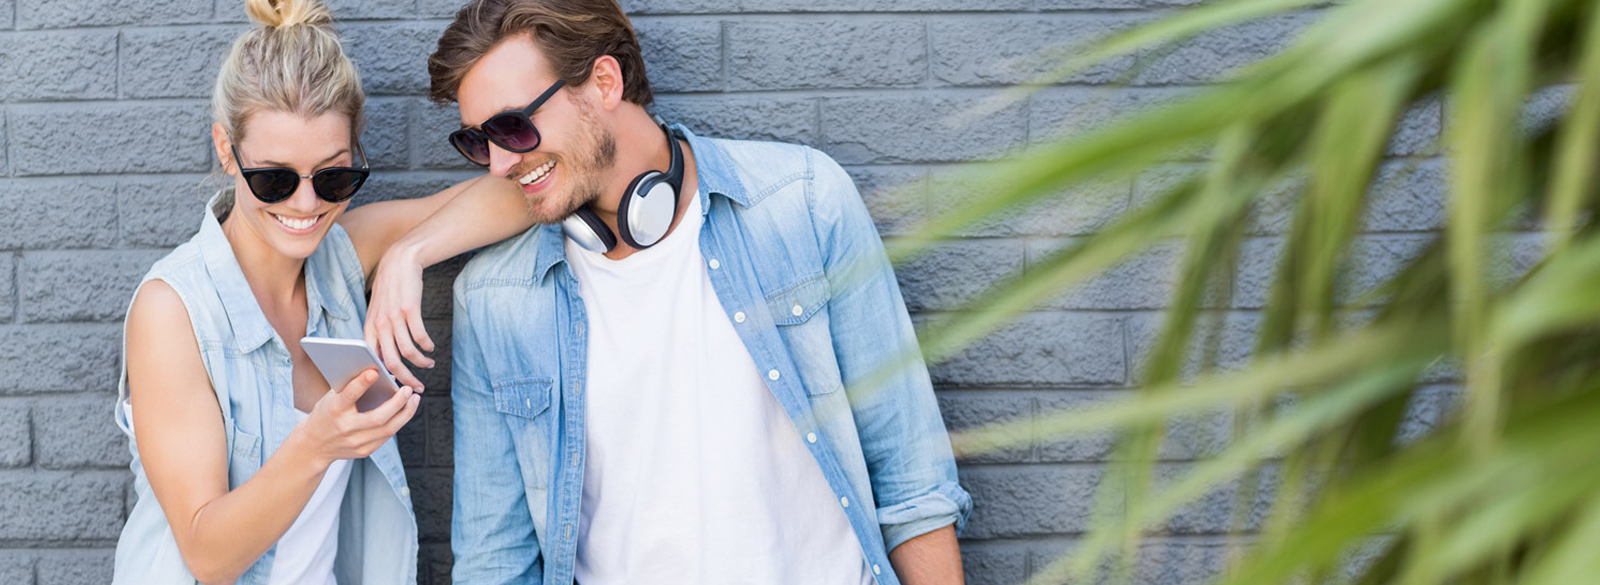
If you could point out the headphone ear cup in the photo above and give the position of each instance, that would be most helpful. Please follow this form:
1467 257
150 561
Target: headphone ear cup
586 228
637 189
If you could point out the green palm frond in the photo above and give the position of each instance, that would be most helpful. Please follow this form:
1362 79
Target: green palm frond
1508 490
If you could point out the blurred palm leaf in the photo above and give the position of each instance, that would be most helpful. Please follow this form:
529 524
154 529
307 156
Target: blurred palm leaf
1507 491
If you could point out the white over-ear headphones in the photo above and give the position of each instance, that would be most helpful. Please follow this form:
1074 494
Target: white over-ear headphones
643 216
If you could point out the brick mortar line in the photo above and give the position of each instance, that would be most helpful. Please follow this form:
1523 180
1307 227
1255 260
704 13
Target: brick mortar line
1128 357
99 472
47 105
1071 538
218 21
1229 311
92 250
65 396
722 54
1157 12
1164 165
5 125
116 59
16 287
975 90
40 545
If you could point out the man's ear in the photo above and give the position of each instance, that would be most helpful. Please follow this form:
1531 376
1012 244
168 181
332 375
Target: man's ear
606 77
219 139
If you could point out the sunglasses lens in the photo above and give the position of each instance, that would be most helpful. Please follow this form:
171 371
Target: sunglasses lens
513 131
335 185
272 185
471 144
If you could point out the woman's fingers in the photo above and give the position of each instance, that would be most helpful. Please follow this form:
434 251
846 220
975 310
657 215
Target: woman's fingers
391 358
381 414
401 418
347 396
402 341
419 332
373 438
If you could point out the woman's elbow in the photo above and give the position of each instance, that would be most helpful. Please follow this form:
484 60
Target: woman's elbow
211 575
206 569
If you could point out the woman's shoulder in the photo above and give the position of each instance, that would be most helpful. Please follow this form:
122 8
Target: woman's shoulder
179 287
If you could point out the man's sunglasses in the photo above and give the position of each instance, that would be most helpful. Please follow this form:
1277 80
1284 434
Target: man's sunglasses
332 184
511 130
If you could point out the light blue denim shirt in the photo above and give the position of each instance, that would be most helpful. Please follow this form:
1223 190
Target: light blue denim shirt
252 375
783 224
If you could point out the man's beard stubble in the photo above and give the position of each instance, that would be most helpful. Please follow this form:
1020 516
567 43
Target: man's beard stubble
587 169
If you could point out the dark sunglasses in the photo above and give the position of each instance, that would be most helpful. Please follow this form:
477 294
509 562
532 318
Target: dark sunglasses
511 130
332 184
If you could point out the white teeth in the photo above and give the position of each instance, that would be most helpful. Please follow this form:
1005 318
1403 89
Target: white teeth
296 224
537 174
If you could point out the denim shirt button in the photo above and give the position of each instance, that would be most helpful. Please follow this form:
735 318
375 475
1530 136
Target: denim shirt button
405 492
798 310
811 437
876 570
844 501
738 317
772 375
714 264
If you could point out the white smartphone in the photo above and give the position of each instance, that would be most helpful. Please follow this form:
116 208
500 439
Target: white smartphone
341 360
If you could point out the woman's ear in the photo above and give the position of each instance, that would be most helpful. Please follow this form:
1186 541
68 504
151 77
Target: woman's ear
224 146
606 76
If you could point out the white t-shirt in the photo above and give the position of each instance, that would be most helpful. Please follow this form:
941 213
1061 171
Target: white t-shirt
306 551
694 473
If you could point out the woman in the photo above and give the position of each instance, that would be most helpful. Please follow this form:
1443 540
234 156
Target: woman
248 467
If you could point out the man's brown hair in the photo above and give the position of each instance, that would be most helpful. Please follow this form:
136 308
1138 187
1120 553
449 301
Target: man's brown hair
570 33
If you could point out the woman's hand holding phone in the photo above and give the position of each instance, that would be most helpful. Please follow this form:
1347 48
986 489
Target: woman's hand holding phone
337 430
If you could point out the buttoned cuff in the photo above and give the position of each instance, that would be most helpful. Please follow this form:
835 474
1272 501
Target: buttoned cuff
947 504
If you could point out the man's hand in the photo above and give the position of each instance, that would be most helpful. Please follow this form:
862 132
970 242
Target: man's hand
394 316
930 559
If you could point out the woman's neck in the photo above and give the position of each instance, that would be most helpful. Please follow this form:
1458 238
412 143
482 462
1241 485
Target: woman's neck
275 279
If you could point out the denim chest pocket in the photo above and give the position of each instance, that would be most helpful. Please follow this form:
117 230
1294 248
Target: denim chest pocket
524 397
522 401
798 311
244 459
797 303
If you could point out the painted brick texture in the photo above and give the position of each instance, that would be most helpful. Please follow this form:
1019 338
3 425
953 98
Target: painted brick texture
105 155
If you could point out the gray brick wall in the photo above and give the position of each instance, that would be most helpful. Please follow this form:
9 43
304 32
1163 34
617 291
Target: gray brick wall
104 148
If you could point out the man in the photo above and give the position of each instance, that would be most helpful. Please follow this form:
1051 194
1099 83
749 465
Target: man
668 382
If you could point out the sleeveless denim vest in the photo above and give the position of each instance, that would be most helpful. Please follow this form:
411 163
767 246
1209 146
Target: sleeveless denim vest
251 372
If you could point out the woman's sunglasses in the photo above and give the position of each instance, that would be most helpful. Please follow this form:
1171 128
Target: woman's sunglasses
332 184
511 130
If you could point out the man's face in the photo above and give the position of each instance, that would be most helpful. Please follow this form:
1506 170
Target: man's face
569 168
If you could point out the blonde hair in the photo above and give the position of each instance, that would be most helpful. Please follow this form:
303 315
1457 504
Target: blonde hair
294 63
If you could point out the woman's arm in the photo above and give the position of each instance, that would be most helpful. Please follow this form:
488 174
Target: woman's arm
475 213
397 239
182 447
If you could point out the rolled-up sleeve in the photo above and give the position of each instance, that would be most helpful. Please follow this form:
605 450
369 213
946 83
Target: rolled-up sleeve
947 504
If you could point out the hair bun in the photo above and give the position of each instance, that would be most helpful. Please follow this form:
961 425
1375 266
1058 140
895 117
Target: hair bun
286 13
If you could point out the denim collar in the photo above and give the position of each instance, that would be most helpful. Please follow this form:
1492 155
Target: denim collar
713 173
250 326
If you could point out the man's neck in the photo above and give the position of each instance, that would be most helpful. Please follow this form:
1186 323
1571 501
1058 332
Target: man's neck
641 148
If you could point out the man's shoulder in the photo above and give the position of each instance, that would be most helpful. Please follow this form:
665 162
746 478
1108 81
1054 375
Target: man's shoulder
765 169
510 262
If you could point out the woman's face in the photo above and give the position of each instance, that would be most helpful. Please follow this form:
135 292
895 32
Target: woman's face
295 226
